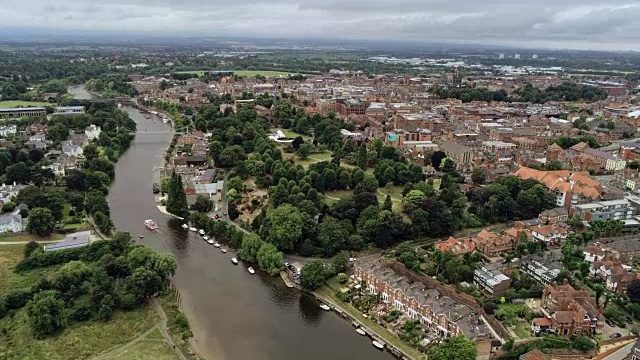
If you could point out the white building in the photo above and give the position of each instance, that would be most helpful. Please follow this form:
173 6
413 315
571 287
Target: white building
68 110
8 130
92 131
516 56
12 222
72 150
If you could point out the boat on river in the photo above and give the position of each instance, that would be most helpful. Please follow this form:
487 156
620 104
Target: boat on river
141 236
251 270
185 226
224 251
201 232
378 344
205 238
360 331
325 307
210 241
216 245
234 260
193 229
151 225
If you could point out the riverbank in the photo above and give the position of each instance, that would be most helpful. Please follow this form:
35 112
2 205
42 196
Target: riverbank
327 295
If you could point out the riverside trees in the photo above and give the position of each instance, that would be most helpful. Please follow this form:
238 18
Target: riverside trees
177 199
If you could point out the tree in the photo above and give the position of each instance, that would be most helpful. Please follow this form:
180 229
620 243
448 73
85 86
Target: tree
46 313
19 173
362 159
90 152
103 222
41 221
270 259
297 141
388 204
165 184
436 159
304 151
177 199
312 275
448 166
554 165
30 248
285 226
76 180
202 204
340 261
236 183
458 347
633 291
479 176
251 244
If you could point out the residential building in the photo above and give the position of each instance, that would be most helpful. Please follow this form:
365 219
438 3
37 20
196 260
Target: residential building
569 188
616 275
12 222
491 280
549 234
207 177
604 210
72 150
456 246
635 351
594 253
554 216
8 192
541 270
434 310
68 110
15 113
92 131
572 312
491 244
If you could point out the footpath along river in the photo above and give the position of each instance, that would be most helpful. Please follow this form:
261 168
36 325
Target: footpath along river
234 315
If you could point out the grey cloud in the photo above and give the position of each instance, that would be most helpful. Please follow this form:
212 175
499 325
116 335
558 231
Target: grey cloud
568 23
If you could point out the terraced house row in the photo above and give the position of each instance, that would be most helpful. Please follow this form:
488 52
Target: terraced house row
435 311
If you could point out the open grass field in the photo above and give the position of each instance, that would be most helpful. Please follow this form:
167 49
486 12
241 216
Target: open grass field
151 347
78 341
18 103
312 159
332 197
522 329
29 237
247 73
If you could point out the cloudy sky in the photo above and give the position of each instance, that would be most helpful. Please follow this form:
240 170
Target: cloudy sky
585 24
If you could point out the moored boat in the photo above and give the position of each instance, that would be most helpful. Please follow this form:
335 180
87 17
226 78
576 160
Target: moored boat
234 260
360 331
216 245
141 236
378 344
201 232
193 229
224 251
150 224
251 270
205 237
325 307
185 226
210 241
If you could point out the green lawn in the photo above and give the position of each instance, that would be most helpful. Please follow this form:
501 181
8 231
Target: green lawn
152 347
523 329
396 196
312 159
248 73
18 103
328 291
29 237
78 341
332 197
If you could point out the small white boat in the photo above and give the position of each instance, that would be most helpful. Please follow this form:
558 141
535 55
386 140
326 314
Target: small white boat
216 245
205 237
224 251
141 236
210 241
193 229
378 344
201 232
325 307
234 260
360 331
185 226
251 270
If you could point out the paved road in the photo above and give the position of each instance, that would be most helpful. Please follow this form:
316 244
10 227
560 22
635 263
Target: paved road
621 354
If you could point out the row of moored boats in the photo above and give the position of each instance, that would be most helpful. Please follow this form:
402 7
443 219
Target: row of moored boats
202 233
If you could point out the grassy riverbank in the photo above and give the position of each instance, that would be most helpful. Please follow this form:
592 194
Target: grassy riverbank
327 293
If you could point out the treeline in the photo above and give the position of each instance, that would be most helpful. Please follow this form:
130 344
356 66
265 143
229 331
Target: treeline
566 142
563 92
112 85
93 282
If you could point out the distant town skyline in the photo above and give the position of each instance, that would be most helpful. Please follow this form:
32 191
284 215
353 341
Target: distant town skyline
570 24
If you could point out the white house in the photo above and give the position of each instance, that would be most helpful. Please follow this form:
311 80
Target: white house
550 234
8 130
72 150
38 137
593 253
92 131
57 168
11 222
7 192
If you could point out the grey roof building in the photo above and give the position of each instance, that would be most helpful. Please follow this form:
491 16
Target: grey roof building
70 241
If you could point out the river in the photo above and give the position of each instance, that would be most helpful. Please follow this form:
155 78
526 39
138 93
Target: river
234 315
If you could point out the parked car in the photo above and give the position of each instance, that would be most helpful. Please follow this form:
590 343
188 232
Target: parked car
629 321
610 322
615 335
